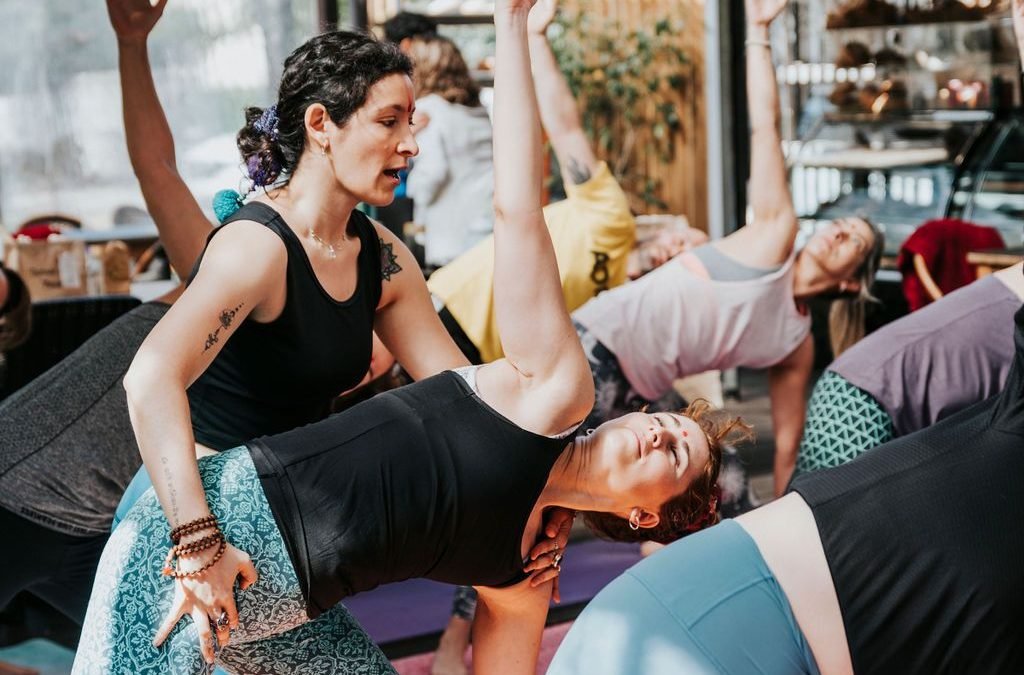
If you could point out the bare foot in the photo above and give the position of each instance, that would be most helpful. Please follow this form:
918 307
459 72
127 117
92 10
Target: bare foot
449 659
11 669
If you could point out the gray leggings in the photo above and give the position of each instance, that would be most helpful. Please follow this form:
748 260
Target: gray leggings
275 636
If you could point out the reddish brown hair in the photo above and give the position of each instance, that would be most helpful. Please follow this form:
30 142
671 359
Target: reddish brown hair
697 507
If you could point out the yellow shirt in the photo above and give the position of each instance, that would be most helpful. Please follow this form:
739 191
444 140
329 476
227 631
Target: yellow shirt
592 231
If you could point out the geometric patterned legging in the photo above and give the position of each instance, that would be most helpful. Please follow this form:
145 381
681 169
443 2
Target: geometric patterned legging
130 597
842 423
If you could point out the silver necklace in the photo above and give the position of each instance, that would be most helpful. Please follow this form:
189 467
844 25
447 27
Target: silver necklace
332 249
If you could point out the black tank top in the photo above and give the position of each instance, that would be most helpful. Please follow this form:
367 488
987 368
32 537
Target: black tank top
423 481
925 541
271 377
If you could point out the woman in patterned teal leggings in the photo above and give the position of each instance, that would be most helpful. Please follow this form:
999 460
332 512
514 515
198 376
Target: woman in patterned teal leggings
274 635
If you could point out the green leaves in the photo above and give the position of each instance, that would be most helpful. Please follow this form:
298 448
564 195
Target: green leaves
628 84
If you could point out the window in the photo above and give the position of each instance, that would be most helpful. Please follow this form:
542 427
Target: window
62 146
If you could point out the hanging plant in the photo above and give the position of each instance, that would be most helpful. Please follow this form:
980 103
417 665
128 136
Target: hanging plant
629 84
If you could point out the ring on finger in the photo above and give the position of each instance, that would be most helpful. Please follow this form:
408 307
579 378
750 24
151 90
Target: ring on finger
223 622
557 562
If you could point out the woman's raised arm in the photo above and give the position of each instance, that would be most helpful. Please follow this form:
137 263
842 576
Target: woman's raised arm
768 240
536 333
180 221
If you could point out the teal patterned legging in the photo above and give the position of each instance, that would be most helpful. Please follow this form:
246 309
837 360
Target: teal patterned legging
843 422
130 597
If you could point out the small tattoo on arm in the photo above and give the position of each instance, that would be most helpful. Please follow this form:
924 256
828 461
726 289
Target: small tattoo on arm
172 493
226 318
577 172
388 261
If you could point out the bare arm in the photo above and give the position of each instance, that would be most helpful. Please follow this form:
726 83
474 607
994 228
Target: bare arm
559 114
787 388
240 276
426 349
179 219
536 334
769 239
508 627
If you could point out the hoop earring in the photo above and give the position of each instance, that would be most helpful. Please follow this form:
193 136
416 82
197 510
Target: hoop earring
588 432
634 524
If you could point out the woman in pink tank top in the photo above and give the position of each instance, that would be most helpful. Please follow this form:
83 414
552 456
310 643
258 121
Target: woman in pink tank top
743 303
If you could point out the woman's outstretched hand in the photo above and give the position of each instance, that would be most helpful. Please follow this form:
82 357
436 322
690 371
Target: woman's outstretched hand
209 596
763 12
134 19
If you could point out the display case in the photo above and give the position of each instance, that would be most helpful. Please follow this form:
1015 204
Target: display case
901 113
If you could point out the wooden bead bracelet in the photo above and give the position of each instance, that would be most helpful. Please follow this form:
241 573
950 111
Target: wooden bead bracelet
173 571
193 526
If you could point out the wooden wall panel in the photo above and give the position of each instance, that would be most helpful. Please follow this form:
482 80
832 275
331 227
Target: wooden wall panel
684 181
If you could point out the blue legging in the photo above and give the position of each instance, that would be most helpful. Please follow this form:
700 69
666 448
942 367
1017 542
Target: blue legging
706 604
131 597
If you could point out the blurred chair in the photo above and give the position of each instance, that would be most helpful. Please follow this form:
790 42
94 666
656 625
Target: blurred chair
933 260
58 328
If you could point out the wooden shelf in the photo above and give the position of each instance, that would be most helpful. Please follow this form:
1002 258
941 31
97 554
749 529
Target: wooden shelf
865 158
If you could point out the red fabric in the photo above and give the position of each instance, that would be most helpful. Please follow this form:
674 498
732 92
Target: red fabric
943 243
38 231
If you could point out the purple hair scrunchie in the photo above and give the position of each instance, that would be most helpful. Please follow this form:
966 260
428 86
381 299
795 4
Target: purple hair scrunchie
267 122
262 170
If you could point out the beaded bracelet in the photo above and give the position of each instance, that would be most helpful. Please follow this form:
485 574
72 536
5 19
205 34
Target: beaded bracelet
190 549
193 526
178 574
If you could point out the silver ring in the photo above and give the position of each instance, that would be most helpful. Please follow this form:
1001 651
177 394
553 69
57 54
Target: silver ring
222 621
557 562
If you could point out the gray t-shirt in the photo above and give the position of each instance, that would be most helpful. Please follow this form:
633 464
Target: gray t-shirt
938 360
67 449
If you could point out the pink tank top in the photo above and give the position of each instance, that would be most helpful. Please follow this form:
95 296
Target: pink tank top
675 322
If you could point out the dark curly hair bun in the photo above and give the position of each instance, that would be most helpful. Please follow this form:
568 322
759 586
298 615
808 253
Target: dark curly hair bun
260 149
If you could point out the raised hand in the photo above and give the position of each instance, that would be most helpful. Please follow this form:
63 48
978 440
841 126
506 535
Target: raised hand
205 598
762 12
541 16
134 19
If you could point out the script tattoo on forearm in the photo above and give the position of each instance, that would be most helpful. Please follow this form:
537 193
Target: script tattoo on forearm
577 172
172 493
226 318
388 261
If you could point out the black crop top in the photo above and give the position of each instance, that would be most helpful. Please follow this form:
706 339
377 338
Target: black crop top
423 481
925 541
271 377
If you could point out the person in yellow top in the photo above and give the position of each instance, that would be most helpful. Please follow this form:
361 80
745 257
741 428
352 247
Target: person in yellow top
592 230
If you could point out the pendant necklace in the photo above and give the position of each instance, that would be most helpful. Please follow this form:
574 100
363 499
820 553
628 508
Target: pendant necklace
332 249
